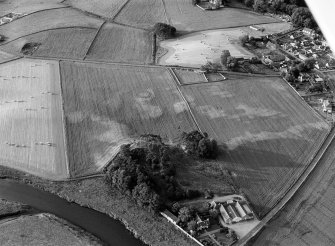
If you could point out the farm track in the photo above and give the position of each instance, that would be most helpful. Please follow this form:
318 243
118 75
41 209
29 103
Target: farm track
95 37
122 7
290 192
176 80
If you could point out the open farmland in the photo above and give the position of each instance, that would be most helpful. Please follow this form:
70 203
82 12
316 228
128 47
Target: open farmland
198 48
107 105
31 122
308 218
48 19
26 7
142 13
186 17
4 56
270 133
103 8
62 43
189 77
122 44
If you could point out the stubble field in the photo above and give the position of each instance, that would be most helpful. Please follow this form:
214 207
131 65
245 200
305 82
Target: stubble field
49 19
26 7
189 77
61 43
270 133
142 13
122 44
308 218
31 125
186 17
107 105
104 8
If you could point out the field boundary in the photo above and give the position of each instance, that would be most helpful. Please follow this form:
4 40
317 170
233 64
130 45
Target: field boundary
166 14
292 190
120 9
64 121
93 41
11 59
46 30
184 99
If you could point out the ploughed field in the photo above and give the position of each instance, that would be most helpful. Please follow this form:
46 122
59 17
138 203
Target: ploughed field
61 43
270 133
122 44
108 105
31 119
308 218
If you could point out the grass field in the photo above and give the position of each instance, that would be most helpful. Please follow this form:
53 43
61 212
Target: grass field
31 118
186 17
104 8
308 218
62 43
122 44
4 56
142 13
270 133
189 77
198 48
26 7
48 19
213 77
268 29
41 229
107 105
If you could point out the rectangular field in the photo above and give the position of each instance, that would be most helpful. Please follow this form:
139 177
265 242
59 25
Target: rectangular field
108 105
186 17
122 44
142 13
62 43
45 20
270 133
104 8
31 118
213 77
189 77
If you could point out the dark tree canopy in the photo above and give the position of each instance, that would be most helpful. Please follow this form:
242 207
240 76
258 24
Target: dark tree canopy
164 31
302 17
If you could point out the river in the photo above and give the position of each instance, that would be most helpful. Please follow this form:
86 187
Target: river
109 230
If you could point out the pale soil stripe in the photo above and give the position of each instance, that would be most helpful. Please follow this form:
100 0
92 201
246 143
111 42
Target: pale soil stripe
64 122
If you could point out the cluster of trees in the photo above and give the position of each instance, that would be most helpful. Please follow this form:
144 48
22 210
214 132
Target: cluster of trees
164 31
197 144
146 172
297 9
210 67
228 61
299 67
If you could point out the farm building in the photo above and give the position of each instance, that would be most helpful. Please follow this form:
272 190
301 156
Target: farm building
233 214
247 209
308 32
225 215
202 224
327 105
240 210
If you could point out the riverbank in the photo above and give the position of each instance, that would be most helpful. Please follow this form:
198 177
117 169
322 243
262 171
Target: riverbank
95 194
9 208
43 229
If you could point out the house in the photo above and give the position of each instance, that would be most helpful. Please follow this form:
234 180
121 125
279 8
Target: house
308 32
327 106
233 214
303 77
318 80
202 224
225 216
271 46
240 211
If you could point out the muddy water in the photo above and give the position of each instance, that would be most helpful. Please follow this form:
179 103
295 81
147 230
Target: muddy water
109 230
